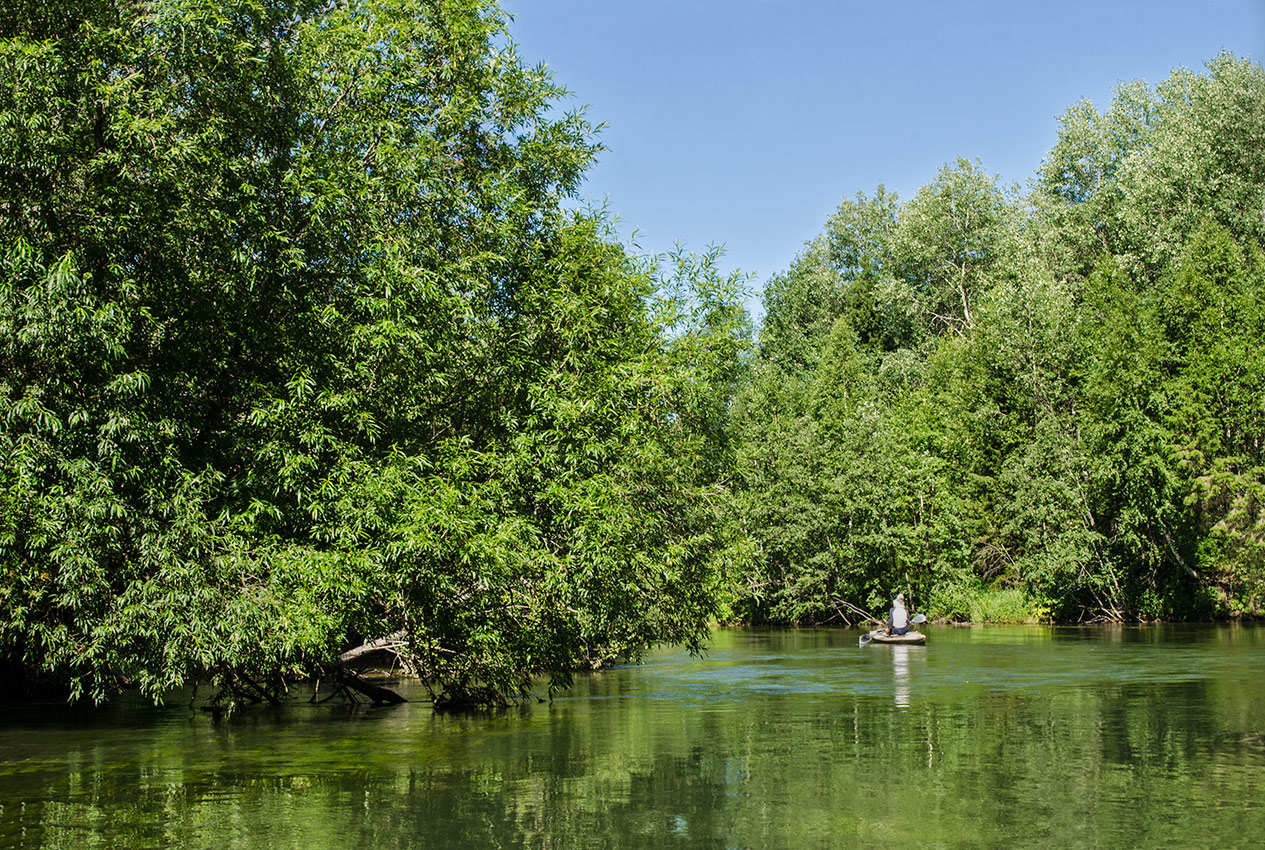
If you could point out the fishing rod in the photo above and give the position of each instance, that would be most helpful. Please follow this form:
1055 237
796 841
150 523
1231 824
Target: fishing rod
859 610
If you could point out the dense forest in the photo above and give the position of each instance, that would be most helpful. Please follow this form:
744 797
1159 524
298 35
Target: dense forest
1040 405
301 351
305 352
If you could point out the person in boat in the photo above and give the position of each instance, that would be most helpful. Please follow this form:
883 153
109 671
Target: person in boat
898 617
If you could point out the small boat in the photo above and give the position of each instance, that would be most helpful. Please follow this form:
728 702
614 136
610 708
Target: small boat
914 638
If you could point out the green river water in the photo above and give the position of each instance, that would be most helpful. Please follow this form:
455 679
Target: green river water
987 737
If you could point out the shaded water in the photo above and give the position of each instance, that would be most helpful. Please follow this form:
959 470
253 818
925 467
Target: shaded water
987 737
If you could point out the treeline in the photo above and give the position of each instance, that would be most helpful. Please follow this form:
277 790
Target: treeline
303 356
1039 405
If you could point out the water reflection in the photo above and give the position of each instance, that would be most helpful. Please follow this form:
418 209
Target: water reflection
1018 738
900 672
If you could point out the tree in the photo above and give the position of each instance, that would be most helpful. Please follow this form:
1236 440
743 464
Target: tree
301 352
1209 311
1138 180
953 241
1052 399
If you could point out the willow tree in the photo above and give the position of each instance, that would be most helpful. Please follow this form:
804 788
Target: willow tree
300 352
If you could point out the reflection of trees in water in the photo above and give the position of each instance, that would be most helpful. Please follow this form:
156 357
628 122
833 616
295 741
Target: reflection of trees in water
1087 765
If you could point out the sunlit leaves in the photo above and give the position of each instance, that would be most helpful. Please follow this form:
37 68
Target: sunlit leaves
300 350
1053 397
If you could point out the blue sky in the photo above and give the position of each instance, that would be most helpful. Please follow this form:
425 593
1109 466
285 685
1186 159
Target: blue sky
745 122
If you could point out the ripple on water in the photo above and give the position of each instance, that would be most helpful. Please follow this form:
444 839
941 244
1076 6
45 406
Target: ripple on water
983 738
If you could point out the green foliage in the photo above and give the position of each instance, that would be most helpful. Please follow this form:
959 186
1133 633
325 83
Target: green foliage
978 603
1137 180
1211 315
953 241
1017 408
301 351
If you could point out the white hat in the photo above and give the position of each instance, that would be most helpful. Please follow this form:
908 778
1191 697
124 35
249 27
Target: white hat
900 597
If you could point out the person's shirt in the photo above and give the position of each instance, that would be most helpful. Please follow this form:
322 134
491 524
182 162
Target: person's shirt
900 617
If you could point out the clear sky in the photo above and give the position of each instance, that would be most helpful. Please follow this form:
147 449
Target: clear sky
745 122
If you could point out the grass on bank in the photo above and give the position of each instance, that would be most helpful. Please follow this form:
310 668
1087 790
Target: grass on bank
988 604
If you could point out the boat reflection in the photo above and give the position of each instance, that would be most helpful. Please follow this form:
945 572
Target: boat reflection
900 673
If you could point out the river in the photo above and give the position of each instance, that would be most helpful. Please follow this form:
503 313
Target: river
986 737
